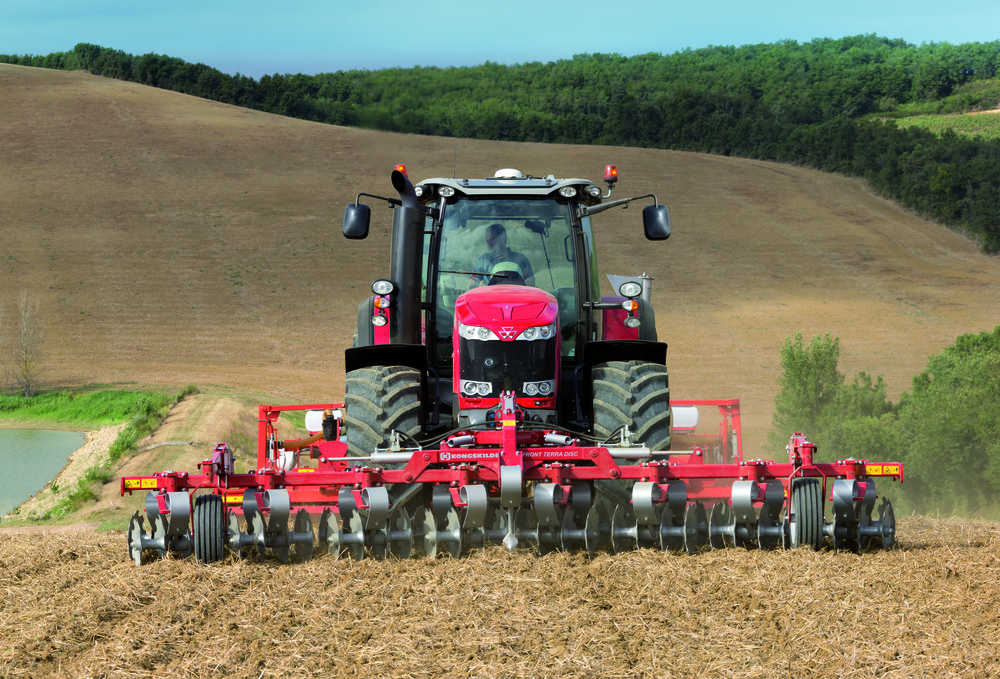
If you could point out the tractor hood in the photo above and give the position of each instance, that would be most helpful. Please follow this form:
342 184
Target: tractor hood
514 306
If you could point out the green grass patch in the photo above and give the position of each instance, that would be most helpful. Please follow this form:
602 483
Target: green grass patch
982 125
86 410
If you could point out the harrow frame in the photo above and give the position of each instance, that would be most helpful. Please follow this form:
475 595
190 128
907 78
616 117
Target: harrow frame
509 484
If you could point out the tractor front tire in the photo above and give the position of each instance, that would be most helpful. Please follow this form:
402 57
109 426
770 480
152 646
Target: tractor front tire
378 401
635 393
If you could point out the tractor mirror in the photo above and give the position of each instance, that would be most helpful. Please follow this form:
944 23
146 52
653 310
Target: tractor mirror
656 222
357 217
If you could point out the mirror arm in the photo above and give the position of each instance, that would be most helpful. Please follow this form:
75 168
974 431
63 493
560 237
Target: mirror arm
585 211
392 201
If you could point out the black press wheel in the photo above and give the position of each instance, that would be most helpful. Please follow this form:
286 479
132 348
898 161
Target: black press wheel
209 529
806 513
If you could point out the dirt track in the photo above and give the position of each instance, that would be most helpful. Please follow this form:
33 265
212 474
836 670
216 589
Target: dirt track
74 606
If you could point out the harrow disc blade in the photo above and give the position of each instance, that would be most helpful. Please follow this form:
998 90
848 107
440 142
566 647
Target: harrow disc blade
722 525
446 535
887 518
158 529
592 535
624 529
352 536
329 533
233 534
400 536
596 529
695 527
303 527
134 537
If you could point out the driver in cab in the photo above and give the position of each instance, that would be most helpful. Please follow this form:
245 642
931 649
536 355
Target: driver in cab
501 264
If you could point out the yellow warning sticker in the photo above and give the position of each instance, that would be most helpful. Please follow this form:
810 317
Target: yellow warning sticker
140 484
509 423
882 469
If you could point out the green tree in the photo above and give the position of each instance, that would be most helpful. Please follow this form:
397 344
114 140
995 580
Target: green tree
948 432
809 386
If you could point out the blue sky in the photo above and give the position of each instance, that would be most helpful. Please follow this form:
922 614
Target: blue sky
313 36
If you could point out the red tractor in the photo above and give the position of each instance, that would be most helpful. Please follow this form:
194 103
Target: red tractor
493 395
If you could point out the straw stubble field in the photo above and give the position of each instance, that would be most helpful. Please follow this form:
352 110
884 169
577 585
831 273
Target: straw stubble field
75 606
173 241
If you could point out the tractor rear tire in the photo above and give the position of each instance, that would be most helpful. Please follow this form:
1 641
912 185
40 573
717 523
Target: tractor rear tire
806 513
635 393
209 539
380 400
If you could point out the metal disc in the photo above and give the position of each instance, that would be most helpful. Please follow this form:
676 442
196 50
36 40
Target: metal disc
303 525
352 537
672 530
329 533
400 535
596 529
887 517
695 527
623 529
158 529
233 534
526 526
134 537
452 533
425 527
721 526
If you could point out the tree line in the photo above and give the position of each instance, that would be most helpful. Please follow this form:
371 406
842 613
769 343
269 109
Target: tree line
826 104
945 430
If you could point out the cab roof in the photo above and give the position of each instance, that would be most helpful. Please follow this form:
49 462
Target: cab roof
510 183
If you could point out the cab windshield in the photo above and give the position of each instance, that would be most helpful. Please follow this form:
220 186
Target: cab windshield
514 241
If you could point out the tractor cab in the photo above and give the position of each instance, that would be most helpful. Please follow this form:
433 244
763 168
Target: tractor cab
493 288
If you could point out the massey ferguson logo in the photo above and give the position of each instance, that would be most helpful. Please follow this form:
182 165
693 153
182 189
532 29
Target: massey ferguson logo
507 333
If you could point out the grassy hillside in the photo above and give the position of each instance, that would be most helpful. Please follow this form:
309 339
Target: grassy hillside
175 241
984 124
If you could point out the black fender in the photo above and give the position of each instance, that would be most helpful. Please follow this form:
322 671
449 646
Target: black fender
407 355
366 331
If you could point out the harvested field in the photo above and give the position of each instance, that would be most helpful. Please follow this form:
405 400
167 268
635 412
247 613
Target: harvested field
74 606
173 241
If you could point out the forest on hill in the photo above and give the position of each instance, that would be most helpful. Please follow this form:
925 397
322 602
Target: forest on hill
827 104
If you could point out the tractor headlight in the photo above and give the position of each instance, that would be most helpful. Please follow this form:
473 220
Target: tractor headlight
567 192
539 388
539 332
473 388
632 322
630 289
382 287
475 332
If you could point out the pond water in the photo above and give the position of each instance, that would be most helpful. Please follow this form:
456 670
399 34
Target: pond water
30 458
